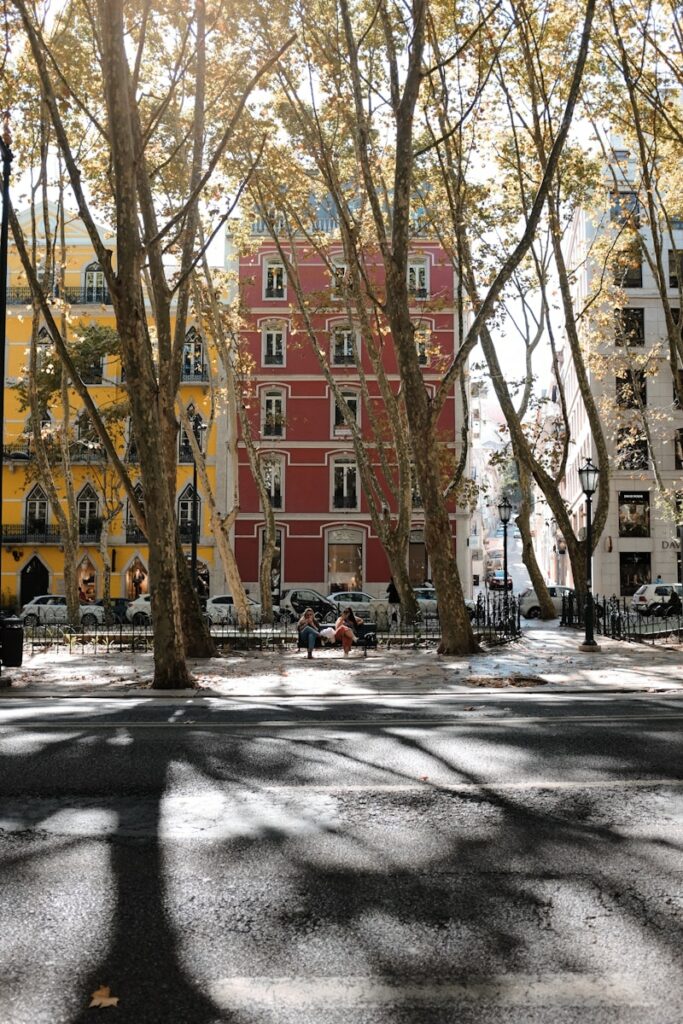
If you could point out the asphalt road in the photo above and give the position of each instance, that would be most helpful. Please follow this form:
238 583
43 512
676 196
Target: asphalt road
505 859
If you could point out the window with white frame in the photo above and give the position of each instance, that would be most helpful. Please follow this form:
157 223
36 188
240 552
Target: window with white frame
418 278
273 345
422 343
95 287
273 414
340 425
273 474
344 483
186 504
194 367
36 510
274 280
340 279
343 346
88 512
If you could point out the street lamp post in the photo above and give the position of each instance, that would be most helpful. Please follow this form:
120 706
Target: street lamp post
588 475
197 427
6 156
504 512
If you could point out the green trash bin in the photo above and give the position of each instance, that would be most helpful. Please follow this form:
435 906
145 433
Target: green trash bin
11 641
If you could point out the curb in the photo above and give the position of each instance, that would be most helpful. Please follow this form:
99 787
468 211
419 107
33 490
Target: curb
200 694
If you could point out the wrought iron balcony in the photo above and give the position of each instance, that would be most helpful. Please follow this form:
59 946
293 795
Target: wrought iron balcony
194 375
89 531
18 451
134 534
22 296
37 531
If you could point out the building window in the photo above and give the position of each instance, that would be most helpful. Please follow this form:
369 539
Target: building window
678 449
344 560
343 346
274 277
418 284
273 414
340 425
632 450
194 367
340 279
634 513
345 484
635 568
675 264
184 447
273 345
625 209
628 267
273 474
36 511
677 404
416 497
89 523
95 287
422 343
185 517
630 327
133 531
631 389
45 352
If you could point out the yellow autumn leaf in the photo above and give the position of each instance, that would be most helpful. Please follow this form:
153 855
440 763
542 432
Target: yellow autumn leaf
102 997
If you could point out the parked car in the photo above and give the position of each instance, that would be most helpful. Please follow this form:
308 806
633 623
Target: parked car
530 607
49 608
426 600
657 598
139 611
117 610
294 602
496 580
221 609
363 604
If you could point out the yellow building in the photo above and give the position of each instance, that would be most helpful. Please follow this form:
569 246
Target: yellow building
31 554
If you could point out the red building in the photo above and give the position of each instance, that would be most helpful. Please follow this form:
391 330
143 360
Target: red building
326 539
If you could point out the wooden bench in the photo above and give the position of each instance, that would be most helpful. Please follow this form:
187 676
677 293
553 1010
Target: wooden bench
366 637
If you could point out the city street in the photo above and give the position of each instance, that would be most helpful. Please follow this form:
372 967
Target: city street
483 858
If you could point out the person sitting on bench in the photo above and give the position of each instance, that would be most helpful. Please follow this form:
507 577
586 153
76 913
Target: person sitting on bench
345 629
309 630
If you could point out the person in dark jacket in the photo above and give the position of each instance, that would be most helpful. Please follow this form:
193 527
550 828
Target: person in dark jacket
394 601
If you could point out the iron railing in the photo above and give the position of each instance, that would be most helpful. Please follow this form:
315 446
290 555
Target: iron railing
493 622
77 296
616 618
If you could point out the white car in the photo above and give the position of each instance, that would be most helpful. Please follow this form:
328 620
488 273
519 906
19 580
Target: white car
139 611
426 602
530 607
221 610
49 608
654 598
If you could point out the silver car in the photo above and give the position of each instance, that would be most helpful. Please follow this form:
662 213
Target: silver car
221 610
363 604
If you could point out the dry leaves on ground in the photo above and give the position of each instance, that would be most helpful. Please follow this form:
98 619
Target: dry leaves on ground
102 997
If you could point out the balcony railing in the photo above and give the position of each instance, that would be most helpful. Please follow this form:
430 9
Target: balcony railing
134 534
76 296
90 531
194 375
18 451
85 452
37 532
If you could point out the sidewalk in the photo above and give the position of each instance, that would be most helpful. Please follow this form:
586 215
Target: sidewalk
546 659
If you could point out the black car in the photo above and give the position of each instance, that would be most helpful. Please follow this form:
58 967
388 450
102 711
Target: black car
293 603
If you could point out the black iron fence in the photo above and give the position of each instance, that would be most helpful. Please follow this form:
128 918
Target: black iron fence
494 622
615 617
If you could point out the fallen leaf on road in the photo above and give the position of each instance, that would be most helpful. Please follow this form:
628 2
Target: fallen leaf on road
103 997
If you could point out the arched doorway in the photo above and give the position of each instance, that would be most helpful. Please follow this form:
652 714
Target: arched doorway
35 580
137 579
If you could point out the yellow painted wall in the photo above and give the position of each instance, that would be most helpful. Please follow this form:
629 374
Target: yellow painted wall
16 554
